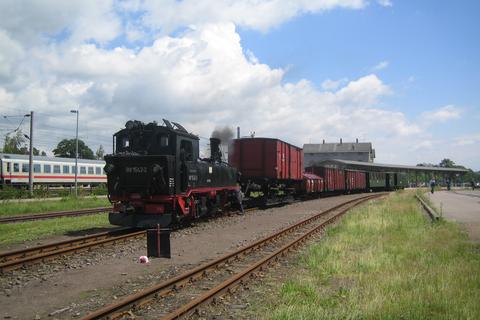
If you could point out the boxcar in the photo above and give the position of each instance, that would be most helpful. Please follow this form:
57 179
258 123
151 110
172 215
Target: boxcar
355 181
312 184
334 178
271 170
266 158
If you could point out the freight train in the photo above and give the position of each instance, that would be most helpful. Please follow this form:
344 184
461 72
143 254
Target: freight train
156 177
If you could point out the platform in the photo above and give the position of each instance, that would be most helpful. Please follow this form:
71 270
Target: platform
462 206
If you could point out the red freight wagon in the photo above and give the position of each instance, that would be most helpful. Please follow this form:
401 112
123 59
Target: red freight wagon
312 183
355 180
334 179
266 158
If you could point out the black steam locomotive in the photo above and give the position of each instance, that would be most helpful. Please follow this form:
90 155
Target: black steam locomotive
155 176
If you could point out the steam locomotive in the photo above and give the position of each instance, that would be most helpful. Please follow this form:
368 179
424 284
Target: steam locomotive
155 176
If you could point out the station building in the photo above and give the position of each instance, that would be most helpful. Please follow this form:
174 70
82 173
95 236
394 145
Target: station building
352 151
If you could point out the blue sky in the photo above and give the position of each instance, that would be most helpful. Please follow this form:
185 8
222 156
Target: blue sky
432 49
401 74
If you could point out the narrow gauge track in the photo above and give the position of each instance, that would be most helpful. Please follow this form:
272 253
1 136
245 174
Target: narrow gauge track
19 258
183 294
50 215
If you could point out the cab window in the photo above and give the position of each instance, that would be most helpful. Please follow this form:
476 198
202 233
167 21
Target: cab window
162 140
186 150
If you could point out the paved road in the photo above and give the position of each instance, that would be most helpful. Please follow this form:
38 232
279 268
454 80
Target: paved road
462 206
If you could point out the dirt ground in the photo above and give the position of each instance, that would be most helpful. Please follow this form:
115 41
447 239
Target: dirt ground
461 206
72 286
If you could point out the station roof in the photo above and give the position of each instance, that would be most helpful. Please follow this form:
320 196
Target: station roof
381 167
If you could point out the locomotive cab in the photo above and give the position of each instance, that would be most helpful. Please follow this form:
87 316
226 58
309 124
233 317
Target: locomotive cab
155 176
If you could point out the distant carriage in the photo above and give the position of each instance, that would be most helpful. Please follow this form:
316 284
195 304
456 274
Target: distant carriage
14 170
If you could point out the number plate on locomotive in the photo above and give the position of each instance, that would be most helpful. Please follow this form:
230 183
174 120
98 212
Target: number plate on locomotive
136 169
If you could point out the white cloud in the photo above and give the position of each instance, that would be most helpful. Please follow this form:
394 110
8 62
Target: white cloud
201 78
169 15
331 85
443 114
381 65
36 21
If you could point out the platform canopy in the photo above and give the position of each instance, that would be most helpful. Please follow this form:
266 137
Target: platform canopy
382 167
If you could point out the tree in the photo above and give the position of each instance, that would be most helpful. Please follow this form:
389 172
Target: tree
66 148
15 143
100 152
447 163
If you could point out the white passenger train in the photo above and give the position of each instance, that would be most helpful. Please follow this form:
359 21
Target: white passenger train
14 170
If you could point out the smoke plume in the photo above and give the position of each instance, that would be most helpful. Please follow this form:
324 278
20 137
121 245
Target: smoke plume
225 135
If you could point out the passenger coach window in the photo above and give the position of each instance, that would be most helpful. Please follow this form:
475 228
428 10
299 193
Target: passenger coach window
90 170
47 168
66 169
16 167
73 169
56 168
8 167
36 168
83 170
25 167
98 170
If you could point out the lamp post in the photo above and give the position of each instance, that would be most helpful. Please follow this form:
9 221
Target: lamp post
76 154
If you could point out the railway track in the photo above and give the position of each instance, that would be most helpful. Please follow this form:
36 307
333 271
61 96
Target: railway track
20 258
50 215
184 293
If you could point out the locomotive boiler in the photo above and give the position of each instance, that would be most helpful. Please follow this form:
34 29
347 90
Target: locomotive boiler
155 176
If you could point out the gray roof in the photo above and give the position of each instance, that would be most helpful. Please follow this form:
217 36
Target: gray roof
337 147
43 158
359 165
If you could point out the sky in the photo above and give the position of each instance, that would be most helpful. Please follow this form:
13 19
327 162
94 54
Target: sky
403 75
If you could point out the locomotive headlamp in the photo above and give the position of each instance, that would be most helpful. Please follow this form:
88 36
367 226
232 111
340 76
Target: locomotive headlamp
109 168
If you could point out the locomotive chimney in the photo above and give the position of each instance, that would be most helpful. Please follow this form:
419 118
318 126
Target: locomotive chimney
215 153
238 132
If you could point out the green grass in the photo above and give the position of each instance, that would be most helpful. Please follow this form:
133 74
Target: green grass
385 261
65 204
26 231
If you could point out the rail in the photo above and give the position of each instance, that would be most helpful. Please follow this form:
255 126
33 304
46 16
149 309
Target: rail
50 215
19 258
172 286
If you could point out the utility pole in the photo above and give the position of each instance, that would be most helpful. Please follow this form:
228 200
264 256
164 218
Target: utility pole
30 160
76 154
